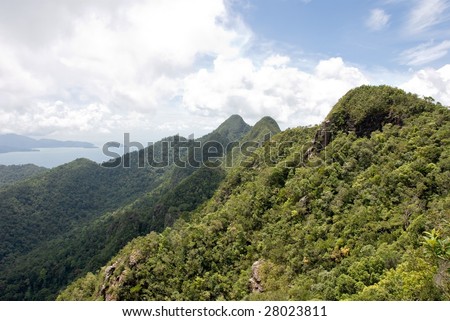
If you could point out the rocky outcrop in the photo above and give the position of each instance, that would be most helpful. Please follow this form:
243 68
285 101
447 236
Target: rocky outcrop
109 271
321 140
116 275
255 280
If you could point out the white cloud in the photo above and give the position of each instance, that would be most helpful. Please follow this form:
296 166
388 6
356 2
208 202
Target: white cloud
291 96
130 58
431 82
45 117
97 68
17 83
425 53
277 61
378 20
426 14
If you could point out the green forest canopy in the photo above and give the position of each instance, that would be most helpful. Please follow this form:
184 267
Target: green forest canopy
355 209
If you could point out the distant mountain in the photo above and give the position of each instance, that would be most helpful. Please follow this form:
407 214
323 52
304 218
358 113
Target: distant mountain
267 125
231 130
10 149
19 143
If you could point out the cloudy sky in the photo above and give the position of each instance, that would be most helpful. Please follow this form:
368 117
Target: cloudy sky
94 69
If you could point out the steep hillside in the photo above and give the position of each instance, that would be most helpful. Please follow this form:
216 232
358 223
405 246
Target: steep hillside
40 273
153 197
14 173
35 210
355 209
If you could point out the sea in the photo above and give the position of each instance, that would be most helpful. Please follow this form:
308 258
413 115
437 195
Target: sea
52 157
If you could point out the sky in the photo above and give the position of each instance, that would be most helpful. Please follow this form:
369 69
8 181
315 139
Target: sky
94 70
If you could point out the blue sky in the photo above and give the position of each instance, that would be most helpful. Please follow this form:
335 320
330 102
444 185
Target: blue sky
368 33
94 70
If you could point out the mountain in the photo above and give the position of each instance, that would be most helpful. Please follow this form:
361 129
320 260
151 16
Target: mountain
356 208
267 125
364 110
52 143
51 203
16 143
81 220
89 245
13 173
239 152
231 130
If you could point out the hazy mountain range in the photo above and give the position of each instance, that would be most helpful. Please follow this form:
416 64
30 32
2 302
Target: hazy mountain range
19 143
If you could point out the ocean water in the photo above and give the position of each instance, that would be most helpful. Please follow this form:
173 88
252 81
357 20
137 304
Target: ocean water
52 157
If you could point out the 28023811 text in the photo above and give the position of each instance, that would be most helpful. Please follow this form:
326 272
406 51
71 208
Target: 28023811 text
294 311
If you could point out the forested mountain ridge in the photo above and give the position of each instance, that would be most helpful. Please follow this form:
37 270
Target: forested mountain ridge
13 173
108 206
261 128
48 207
357 208
42 272
232 130
60 198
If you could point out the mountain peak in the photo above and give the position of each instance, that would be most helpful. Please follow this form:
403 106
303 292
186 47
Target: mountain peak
234 121
269 122
368 108
232 129
235 117
263 127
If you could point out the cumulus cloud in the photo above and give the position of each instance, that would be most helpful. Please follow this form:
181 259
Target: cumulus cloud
378 20
130 58
91 68
431 82
45 117
276 61
290 95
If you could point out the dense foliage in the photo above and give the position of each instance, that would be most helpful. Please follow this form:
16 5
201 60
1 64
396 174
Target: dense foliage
361 215
50 205
74 218
40 273
35 210
14 173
